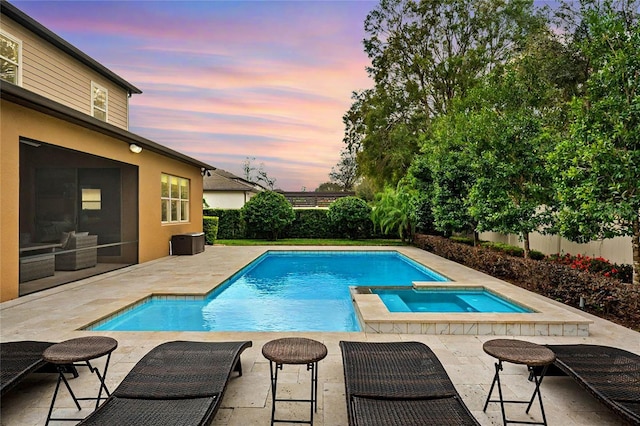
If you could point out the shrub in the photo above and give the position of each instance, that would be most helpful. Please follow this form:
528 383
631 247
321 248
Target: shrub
462 240
210 228
230 224
267 214
598 265
603 296
512 250
350 217
309 223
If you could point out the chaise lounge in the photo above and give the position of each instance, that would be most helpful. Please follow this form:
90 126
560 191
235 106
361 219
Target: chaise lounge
19 359
611 375
176 383
399 383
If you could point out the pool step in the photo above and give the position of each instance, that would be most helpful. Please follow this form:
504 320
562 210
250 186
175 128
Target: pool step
394 303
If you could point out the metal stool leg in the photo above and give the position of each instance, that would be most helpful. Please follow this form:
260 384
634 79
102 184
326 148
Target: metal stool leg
496 379
102 377
502 401
538 382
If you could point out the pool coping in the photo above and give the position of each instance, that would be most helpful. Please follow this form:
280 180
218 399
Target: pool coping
547 320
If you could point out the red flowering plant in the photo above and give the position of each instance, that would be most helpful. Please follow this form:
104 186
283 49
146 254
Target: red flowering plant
597 265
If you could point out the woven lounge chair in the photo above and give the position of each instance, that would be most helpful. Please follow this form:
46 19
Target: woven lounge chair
611 375
176 383
399 383
19 359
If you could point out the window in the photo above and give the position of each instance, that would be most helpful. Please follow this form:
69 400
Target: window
91 199
174 199
99 98
10 58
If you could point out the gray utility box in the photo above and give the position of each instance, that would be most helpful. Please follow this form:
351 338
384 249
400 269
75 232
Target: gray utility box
182 244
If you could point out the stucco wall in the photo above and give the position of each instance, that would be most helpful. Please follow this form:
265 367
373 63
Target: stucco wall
154 237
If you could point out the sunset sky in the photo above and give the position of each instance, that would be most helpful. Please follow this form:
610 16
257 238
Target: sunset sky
227 80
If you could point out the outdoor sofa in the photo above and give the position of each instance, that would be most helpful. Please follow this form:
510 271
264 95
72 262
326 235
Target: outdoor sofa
21 358
399 383
176 383
611 375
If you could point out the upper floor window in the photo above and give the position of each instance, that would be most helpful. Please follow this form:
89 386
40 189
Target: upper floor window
174 198
99 99
10 58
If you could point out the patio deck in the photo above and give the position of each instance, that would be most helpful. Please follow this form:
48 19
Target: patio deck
59 313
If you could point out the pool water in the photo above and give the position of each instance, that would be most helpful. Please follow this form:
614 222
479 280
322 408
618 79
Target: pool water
446 300
279 291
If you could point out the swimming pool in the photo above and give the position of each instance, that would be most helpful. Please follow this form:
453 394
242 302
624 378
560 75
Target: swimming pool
446 300
279 291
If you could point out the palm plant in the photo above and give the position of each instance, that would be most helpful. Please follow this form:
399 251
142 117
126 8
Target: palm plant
393 212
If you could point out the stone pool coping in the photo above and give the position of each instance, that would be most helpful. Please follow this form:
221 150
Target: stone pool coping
549 319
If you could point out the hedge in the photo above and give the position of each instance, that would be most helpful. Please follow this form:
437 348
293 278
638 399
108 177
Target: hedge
308 223
603 296
230 225
210 228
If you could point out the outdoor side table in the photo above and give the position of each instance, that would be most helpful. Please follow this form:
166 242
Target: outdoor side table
78 352
519 352
294 350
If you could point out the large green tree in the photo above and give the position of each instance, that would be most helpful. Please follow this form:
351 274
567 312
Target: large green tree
444 170
487 154
596 166
423 55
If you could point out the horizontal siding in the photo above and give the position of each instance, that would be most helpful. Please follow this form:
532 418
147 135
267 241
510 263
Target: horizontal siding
55 75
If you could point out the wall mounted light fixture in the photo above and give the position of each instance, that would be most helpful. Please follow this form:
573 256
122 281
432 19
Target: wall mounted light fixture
204 171
136 149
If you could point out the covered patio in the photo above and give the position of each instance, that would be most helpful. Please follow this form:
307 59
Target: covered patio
60 313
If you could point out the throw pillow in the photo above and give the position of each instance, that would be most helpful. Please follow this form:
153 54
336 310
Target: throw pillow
64 240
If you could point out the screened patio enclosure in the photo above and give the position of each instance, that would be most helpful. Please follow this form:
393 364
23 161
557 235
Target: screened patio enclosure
78 215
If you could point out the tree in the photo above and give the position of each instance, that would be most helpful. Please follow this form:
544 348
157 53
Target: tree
253 174
267 214
329 187
444 172
423 55
248 168
596 166
345 173
350 216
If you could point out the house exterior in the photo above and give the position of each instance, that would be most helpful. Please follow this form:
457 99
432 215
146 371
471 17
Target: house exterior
69 165
224 190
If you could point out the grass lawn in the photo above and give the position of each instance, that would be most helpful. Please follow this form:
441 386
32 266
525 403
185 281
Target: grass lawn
312 242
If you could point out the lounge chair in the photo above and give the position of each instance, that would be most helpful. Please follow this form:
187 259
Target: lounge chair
176 383
399 383
611 375
21 358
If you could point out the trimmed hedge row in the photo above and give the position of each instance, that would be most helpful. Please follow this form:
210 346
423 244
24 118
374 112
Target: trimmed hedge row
230 225
311 223
605 297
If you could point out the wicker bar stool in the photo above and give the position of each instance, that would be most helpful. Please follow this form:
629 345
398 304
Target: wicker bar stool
78 352
294 350
524 353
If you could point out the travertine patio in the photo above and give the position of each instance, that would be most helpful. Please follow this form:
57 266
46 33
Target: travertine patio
58 314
